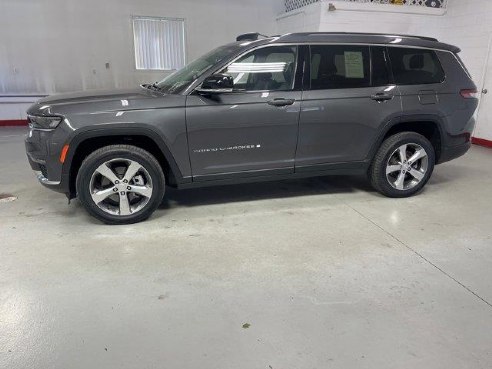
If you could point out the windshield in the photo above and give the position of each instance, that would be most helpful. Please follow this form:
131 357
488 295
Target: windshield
178 81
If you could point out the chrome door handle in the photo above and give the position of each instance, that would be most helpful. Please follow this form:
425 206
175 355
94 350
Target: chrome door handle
485 91
381 96
281 102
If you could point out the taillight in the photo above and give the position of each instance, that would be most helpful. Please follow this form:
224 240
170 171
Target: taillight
469 94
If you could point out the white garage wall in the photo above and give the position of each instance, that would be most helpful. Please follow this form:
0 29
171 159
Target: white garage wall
49 46
468 24
362 17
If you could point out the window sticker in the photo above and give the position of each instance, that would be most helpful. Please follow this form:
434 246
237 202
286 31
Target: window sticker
354 64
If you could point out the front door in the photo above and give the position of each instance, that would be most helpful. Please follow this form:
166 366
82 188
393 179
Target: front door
252 130
346 100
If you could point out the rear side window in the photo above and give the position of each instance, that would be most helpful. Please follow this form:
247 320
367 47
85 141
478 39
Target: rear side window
339 67
415 66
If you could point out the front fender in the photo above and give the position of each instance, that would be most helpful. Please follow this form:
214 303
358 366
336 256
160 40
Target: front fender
79 136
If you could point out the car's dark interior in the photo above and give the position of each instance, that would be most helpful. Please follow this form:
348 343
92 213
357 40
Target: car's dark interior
270 68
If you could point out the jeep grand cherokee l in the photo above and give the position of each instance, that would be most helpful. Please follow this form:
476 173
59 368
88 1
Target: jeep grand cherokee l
298 105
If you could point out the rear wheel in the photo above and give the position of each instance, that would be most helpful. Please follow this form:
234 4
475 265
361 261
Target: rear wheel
402 165
120 184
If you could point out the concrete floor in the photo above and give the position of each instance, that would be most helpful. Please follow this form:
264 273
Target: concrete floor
318 273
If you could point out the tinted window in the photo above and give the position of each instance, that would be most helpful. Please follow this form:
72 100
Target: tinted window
415 66
380 75
339 67
269 68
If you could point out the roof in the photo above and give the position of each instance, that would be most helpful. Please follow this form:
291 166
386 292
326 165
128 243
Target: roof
357 38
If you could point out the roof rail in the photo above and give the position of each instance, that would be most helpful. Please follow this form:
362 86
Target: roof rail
251 36
372 34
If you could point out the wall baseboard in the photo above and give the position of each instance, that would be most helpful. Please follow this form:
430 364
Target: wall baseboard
13 123
482 142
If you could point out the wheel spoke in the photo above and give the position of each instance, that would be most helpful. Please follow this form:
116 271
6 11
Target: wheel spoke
402 152
132 169
419 154
105 171
409 158
124 205
418 175
122 173
393 168
101 195
400 181
141 190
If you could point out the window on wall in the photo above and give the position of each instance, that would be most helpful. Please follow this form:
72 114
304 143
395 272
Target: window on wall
159 43
339 67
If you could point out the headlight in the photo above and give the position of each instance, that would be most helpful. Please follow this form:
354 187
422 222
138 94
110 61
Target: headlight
47 122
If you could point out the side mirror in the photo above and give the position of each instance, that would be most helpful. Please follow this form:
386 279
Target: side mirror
216 84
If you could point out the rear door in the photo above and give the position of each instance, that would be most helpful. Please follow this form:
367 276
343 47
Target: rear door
348 95
252 130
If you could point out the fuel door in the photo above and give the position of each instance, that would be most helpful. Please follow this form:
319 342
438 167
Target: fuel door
428 97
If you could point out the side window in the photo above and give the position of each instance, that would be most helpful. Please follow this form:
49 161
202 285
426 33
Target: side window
380 75
415 66
339 67
265 69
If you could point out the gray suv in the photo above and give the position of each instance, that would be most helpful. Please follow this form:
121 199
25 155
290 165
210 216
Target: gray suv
258 109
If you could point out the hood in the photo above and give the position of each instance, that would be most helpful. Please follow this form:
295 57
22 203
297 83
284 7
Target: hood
96 95
101 101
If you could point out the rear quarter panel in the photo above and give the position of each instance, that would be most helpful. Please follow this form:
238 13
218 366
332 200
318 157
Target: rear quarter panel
443 103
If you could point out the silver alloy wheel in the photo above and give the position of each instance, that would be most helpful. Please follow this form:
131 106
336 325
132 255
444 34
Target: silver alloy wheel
407 166
121 187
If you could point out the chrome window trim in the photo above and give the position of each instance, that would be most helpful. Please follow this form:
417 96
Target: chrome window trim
199 80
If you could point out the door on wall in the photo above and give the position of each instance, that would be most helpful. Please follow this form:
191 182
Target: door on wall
484 124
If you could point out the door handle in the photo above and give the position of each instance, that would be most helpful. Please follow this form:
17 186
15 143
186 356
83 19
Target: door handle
281 102
485 91
381 96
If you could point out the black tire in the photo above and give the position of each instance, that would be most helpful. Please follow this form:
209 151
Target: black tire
377 170
113 152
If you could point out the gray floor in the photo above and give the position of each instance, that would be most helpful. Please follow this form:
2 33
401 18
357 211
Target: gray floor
319 273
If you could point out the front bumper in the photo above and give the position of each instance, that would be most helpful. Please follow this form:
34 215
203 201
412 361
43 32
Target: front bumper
45 181
43 150
40 171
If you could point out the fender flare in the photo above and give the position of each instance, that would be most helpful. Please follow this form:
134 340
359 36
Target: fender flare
82 135
414 118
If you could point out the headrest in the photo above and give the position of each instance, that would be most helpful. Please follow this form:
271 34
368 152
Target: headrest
417 61
328 66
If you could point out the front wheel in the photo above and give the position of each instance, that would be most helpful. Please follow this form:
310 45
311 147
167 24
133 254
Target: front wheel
402 165
120 184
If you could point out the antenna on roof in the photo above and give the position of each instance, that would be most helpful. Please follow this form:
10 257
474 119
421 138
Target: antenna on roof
252 36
